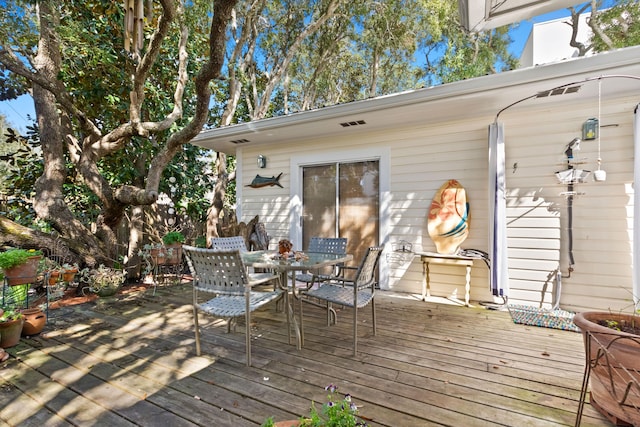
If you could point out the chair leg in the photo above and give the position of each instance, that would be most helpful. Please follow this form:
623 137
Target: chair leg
247 319
355 330
301 321
329 309
289 313
195 323
334 315
373 315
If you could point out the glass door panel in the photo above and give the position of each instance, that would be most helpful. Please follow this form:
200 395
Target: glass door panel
342 200
318 202
359 206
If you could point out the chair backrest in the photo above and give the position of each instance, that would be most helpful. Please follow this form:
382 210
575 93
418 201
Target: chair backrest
328 245
229 243
366 275
216 271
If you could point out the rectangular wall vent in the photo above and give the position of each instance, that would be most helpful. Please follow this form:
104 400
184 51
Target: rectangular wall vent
354 123
240 141
559 91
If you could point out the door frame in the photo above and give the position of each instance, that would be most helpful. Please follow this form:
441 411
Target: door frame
381 154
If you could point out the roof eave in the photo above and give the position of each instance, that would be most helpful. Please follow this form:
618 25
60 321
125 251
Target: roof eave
219 138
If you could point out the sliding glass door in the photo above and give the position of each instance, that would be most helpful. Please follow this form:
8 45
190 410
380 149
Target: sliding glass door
342 200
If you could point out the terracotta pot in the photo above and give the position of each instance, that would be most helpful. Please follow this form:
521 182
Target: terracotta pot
10 332
615 359
34 321
176 254
162 256
68 275
23 273
53 277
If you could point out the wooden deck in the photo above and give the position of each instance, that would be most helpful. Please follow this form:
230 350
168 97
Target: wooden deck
134 363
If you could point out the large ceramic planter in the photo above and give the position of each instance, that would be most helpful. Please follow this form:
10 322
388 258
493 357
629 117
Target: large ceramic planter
23 273
615 365
34 321
10 332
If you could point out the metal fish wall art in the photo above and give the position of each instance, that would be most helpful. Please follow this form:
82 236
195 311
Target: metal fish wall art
264 181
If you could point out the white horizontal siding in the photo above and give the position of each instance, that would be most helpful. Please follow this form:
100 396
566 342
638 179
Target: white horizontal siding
538 211
424 156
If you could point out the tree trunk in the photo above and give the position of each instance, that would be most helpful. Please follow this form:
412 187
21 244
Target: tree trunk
217 205
18 236
49 202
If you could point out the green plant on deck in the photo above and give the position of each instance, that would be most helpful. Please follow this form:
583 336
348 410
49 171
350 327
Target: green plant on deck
338 411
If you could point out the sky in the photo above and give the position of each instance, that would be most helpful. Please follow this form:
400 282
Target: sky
18 111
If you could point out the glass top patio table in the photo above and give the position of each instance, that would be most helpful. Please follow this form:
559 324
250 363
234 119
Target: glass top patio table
311 261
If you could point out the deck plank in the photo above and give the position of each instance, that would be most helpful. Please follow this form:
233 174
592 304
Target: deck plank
134 363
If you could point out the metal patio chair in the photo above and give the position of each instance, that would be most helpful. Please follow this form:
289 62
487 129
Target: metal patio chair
223 274
229 243
356 293
326 245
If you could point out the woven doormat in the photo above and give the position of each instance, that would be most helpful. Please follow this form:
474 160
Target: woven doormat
556 319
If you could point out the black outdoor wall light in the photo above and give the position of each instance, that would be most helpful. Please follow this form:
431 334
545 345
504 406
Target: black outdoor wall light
262 161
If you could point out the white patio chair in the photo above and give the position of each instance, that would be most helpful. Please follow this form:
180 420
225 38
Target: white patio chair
229 243
223 274
356 293
326 245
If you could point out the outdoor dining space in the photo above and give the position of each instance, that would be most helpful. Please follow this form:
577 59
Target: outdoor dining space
131 360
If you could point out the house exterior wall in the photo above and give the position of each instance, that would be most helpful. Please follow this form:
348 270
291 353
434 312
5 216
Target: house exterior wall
420 160
602 217
422 157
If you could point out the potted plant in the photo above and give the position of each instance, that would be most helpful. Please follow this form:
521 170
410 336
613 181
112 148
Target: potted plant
612 346
104 281
68 272
338 411
35 320
171 251
52 277
20 265
11 322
